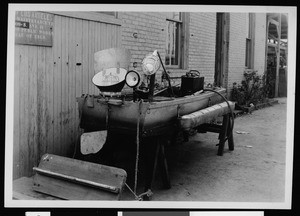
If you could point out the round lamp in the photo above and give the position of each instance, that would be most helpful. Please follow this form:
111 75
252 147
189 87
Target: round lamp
132 78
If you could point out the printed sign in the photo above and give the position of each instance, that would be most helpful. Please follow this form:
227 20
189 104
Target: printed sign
34 28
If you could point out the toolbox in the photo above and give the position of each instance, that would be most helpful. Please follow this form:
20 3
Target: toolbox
191 82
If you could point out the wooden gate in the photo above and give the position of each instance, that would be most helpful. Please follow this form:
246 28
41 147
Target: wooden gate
47 82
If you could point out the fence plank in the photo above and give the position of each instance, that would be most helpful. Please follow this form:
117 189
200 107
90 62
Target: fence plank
23 81
78 53
78 66
108 36
91 56
57 84
41 102
72 65
16 138
119 37
96 48
113 36
102 36
64 92
85 57
49 79
32 137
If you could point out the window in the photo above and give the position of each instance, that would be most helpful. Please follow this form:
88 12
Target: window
249 41
174 40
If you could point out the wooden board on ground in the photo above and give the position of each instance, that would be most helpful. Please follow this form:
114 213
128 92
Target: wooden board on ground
22 190
73 179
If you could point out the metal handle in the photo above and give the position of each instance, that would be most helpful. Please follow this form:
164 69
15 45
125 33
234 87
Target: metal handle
193 73
77 180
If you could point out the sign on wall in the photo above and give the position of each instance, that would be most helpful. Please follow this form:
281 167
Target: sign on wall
34 28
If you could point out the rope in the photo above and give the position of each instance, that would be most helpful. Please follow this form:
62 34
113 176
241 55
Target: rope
137 147
136 197
140 197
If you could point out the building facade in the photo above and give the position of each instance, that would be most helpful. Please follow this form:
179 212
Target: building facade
143 32
48 78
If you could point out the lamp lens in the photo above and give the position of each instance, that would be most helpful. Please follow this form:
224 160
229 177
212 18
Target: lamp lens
132 79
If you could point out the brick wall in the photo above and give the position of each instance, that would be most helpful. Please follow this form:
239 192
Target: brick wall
151 35
260 42
149 28
202 44
237 46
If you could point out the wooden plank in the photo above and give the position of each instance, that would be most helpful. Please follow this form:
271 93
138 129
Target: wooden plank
57 84
206 115
102 45
102 36
23 120
32 137
49 78
68 190
96 49
41 102
57 180
83 170
71 83
78 66
85 58
276 45
91 57
64 92
22 190
108 35
97 39
93 16
60 84
271 20
186 40
78 52
119 41
113 36
16 138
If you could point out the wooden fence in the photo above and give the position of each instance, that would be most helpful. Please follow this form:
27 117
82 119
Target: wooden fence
47 82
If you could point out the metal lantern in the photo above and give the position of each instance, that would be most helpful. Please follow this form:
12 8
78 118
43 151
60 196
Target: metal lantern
151 63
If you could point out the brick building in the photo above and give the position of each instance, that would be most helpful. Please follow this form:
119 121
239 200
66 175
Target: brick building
51 73
143 32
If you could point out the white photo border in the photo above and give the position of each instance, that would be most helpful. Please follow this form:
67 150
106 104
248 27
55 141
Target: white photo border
292 17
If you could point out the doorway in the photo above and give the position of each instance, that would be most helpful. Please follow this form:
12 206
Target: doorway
221 56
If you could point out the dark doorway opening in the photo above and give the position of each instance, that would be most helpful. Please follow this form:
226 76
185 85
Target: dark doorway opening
221 49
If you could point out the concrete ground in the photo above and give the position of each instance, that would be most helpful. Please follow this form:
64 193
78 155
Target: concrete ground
253 172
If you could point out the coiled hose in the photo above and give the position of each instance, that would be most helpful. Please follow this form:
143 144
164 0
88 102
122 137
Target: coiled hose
231 112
